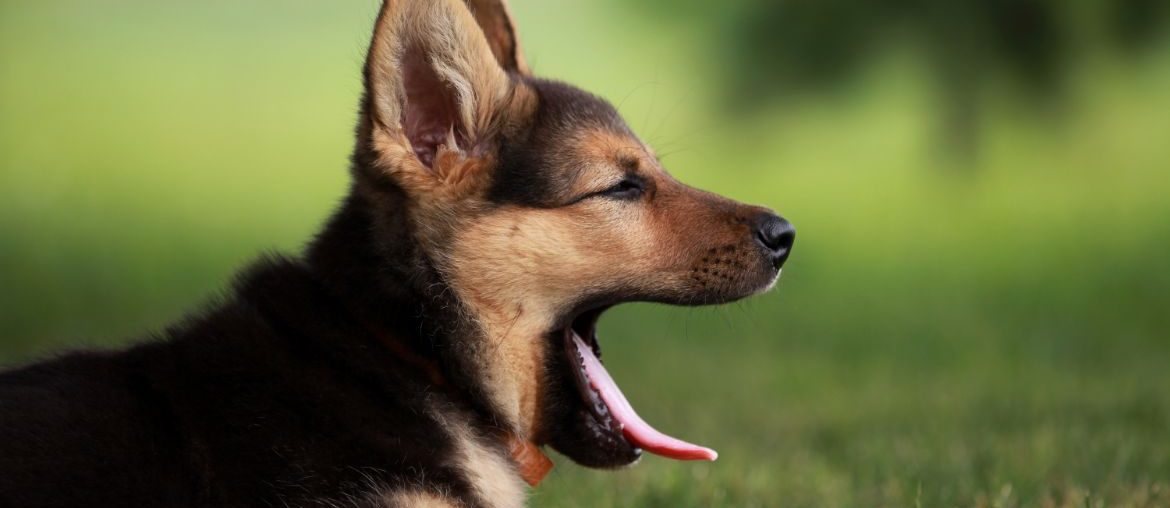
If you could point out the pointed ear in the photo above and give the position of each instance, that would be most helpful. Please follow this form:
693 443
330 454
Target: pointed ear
495 20
436 95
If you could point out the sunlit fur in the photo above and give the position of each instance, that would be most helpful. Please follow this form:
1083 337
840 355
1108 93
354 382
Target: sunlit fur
422 331
515 269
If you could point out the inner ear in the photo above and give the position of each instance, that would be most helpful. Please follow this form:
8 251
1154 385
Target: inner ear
430 114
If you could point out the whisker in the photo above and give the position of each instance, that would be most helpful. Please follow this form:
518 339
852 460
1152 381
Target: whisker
674 109
634 90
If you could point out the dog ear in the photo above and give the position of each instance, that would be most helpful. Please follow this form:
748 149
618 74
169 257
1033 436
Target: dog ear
437 96
495 20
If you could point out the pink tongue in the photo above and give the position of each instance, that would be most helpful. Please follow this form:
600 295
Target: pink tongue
636 430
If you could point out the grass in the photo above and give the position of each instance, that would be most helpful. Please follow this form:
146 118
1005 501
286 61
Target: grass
988 336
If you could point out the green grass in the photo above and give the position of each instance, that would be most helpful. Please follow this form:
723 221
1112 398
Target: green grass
943 336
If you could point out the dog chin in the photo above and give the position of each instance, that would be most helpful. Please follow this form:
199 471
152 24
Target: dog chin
757 285
768 287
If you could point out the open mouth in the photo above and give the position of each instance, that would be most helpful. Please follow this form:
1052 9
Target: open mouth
605 401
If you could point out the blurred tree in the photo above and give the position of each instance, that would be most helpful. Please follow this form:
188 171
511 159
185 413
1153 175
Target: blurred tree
774 48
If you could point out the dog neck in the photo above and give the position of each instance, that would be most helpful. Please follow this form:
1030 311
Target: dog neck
376 271
532 464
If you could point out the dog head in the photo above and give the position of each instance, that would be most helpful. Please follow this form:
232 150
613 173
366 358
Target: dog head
539 208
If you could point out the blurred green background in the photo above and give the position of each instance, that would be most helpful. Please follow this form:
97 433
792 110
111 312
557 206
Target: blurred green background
976 312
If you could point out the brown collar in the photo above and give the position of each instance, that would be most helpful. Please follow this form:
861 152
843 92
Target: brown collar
532 463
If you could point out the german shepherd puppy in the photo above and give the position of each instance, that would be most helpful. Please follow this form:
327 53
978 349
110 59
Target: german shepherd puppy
435 335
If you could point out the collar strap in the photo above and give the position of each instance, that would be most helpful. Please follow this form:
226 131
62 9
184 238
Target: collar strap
532 463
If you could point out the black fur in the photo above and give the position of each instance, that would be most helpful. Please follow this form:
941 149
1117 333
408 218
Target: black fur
283 394
286 391
318 380
533 170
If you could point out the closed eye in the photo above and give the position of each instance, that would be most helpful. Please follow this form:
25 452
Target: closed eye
628 188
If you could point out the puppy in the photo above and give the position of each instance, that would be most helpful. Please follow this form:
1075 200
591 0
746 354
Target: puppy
435 335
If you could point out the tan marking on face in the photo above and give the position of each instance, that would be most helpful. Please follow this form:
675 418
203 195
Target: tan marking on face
601 156
609 146
519 269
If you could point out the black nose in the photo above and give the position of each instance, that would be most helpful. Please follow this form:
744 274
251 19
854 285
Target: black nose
776 235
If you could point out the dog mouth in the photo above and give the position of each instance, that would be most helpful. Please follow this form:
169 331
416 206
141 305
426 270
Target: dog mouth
612 413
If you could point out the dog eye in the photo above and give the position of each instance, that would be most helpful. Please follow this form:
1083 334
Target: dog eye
625 189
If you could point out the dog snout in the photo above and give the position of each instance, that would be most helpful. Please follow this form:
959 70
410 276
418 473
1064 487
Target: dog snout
775 235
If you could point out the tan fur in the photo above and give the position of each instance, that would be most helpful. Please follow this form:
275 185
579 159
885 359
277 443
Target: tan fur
448 34
495 19
601 153
417 499
488 101
493 477
518 268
